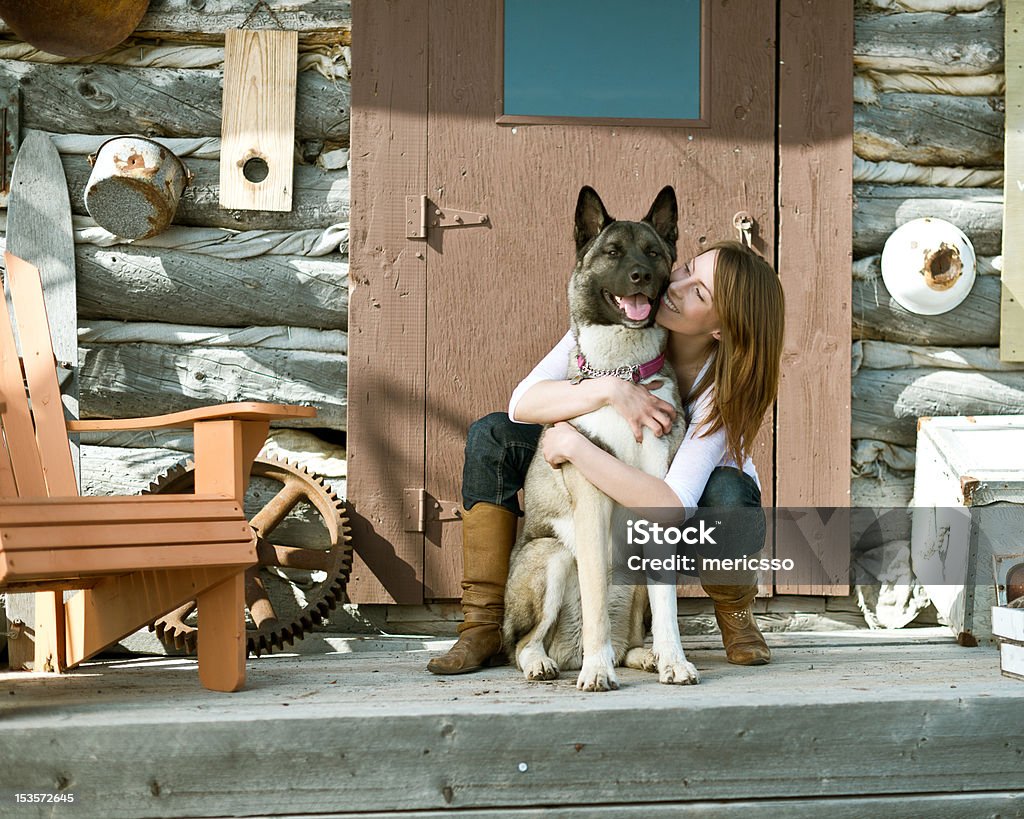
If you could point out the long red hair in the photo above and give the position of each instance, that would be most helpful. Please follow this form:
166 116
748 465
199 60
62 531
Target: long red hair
747 359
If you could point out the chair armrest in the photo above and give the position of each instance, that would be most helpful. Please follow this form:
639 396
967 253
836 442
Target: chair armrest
244 411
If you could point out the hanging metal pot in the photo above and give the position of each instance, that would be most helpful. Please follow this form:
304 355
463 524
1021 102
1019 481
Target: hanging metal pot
928 266
73 28
134 187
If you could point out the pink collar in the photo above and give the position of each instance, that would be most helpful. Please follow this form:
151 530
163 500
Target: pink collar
636 373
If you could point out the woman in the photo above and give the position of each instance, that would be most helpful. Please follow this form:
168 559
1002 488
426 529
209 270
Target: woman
724 312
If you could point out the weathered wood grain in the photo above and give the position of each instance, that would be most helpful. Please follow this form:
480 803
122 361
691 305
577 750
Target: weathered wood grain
974 322
171 102
814 189
317 21
866 710
321 198
386 442
327 21
930 129
258 116
934 807
929 43
905 173
889 490
880 209
887 403
1011 342
944 6
132 283
883 355
814 265
156 332
128 380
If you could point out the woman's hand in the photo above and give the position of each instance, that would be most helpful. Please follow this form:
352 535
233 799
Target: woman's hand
638 404
561 443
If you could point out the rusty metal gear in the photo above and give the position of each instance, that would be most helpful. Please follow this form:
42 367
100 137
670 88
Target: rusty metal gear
309 579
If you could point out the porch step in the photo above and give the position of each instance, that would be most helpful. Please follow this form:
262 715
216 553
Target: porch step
894 718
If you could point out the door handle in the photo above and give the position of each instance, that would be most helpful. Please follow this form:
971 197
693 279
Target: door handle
744 224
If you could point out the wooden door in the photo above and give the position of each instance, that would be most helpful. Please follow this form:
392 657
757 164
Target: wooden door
494 295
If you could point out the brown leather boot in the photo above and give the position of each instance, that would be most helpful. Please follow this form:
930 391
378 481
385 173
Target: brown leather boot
488 534
743 641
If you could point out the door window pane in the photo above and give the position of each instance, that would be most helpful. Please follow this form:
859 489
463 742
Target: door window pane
602 59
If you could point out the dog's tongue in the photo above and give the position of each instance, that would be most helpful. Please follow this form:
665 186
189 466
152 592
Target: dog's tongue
637 307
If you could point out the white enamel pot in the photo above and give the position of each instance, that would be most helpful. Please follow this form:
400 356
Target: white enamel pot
135 185
928 266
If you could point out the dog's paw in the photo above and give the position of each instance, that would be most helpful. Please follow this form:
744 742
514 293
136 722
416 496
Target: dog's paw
539 669
678 671
642 659
597 676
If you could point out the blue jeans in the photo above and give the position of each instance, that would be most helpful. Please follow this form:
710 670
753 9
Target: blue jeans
499 451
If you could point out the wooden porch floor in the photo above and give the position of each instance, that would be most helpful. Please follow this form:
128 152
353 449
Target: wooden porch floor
844 724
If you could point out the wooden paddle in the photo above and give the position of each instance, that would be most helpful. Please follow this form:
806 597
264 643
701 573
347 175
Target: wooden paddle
39 231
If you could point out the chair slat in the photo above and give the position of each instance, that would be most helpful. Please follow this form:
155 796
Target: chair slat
112 510
76 536
41 374
104 561
17 421
8 486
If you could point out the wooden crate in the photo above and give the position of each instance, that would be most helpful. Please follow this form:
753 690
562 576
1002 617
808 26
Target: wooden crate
968 506
1008 628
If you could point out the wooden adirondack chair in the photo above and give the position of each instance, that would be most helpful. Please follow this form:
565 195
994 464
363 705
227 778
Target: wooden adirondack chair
134 558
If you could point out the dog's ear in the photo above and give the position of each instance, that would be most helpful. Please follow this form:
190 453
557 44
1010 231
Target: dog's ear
591 217
664 217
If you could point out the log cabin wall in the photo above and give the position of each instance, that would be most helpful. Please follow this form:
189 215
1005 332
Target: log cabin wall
213 311
226 305
928 141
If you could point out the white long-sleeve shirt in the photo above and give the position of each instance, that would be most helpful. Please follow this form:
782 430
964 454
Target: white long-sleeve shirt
696 457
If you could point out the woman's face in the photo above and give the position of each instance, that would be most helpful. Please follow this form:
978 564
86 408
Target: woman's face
688 306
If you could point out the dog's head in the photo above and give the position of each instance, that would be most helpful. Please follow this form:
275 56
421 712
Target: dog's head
622 268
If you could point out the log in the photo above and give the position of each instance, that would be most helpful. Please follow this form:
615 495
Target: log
887 403
132 283
904 173
879 209
881 355
930 129
321 198
929 43
171 102
974 322
108 470
945 6
129 380
222 243
869 84
181 335
317 21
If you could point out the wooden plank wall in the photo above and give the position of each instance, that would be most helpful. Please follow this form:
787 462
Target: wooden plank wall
227 304
928 141
815 158
388 291
1012 313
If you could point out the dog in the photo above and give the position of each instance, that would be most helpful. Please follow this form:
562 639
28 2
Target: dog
562 611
